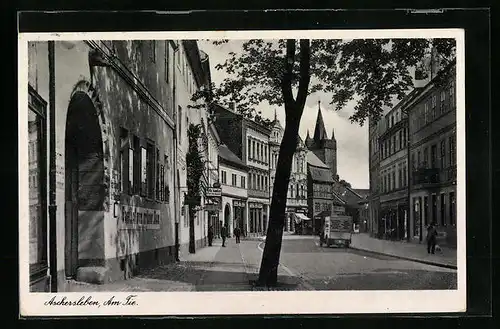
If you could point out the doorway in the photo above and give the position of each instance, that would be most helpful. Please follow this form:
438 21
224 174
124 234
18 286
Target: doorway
84 186
227 217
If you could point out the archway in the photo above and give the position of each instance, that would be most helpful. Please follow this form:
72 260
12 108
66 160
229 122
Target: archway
85 191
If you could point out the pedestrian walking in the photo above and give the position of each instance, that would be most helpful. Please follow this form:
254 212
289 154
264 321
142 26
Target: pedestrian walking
431 238
223 234
210 235
237 233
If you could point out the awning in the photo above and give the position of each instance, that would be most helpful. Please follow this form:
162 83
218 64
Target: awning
300 217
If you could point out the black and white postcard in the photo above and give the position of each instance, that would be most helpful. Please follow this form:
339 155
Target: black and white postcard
242 172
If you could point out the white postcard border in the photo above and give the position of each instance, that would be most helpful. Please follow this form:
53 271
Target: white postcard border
207 303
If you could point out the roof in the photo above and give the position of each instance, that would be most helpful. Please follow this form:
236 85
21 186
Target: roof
319 130
321 174
347 194
226 154
313 160
362 192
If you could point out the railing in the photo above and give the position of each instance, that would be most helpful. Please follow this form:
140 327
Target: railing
426 176
258 194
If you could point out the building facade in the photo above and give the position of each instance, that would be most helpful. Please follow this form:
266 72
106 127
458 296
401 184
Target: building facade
393 194
432 129
297 187
249 141
233 174
321 199
191 72
108 109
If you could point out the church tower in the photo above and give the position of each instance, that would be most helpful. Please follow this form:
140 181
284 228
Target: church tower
323 147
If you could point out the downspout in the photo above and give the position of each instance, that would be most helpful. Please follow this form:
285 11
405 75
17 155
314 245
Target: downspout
176 182
52 171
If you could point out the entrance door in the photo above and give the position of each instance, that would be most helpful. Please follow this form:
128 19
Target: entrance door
84 182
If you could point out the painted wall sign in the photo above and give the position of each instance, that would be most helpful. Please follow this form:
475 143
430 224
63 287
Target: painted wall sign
255 205
238 203
213 203
213 192
140 218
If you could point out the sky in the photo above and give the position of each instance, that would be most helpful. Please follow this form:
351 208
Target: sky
352 140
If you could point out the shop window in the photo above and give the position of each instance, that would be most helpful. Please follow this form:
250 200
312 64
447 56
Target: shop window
37 188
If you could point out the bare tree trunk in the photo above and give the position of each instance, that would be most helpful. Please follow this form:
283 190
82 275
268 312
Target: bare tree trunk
268 274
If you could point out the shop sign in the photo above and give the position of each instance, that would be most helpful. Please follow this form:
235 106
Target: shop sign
239 203
140 218
213 203
213 192
255 205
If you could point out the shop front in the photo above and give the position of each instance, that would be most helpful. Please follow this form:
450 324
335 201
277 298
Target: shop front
258 218
291 218
239 209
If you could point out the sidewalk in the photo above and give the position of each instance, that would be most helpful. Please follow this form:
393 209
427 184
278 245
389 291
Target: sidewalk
447 257
210 268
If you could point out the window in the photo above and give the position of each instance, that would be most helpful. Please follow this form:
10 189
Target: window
394 143
442 104
124 159
249 149
419 163
158 176
291 191
433 101
165 193
401 145
394 180
433 156
253 149
262 182
405 180
389 182
250 182
426 113
443 154
452 146
265 183
137 166
400 180
442 209
242 181
179 123
452 94
233 180
426 158
317 206
452 208
392 120
37 191
148 170
223 177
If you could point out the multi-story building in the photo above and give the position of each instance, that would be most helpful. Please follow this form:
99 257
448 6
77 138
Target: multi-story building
374 177
109 109
233 174
191 71
321 199
296 201
249 141
432 136
393 194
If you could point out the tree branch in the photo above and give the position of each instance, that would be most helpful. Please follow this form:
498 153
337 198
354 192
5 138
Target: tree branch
305 77
286 82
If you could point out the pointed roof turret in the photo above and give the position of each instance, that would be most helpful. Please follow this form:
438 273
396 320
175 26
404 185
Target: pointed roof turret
275 116
333 134
319 131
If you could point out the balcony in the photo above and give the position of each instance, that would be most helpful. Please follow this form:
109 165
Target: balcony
423 176
258 194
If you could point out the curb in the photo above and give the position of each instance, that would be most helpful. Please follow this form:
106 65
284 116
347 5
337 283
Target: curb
417 260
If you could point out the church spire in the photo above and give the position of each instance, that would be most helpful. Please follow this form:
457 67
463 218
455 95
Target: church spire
333 134
319 130
275 116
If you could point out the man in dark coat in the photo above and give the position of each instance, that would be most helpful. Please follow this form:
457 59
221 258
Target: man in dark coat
223 234
237 233
431 238
210 235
